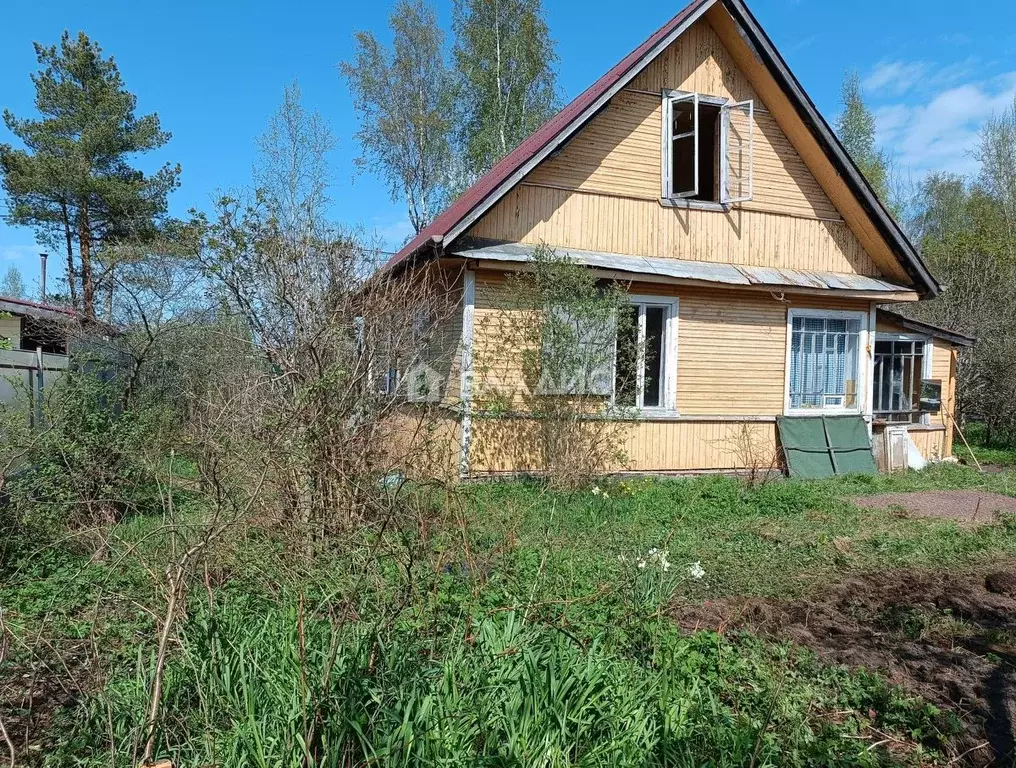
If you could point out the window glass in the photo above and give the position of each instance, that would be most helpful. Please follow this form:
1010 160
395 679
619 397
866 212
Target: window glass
824 362
653 367
626 361
897 380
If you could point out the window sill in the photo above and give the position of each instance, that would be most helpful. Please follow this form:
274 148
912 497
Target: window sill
700 205
826 412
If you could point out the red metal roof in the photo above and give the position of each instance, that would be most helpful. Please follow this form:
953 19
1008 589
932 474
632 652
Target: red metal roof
514 160
551 132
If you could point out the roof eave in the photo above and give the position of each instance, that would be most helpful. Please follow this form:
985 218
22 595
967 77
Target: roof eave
888 227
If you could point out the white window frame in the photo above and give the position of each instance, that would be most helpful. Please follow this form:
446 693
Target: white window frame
668 384
929 346
725 110
864 355
670 97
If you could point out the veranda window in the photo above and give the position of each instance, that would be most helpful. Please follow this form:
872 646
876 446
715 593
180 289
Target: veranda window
824 362
899 365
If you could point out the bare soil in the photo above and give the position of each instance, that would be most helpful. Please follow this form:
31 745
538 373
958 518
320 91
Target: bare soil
968 507
947 637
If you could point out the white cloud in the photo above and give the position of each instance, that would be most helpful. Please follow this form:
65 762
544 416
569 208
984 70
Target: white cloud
394 234
938 130
894 77
19 255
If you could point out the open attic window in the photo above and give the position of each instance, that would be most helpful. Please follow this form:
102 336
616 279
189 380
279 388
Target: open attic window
708 147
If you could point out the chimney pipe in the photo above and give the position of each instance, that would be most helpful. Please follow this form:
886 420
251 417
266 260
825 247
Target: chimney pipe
42 277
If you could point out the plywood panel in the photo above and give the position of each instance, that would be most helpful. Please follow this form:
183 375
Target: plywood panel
642 227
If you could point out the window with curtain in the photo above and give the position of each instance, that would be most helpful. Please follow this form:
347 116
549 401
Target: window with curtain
824 362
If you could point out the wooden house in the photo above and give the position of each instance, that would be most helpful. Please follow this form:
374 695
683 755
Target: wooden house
699 173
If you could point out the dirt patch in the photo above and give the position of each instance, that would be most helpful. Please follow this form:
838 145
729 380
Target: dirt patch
969 507
944 636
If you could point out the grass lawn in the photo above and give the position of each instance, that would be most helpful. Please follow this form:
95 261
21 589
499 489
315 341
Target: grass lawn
984 450
518 626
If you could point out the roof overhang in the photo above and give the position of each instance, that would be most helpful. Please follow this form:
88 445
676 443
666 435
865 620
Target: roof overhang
959 339
697 273
21 307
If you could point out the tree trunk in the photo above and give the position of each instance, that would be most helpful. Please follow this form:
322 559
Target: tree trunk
72 284
85 249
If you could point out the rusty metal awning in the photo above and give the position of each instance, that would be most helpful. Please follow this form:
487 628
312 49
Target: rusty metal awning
683 270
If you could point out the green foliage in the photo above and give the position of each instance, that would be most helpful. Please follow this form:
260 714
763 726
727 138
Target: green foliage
507 85
531 643
13 285
404 99
74 179
94 463
260 683
856 129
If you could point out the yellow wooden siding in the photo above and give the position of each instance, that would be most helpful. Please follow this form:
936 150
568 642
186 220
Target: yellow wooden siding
627 225
10 329
748 65
933 444
619 152
943 367
731 346
512 445
424 441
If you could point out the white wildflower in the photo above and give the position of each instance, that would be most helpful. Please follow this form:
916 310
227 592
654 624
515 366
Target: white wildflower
605 495
642 563
596 490
696 570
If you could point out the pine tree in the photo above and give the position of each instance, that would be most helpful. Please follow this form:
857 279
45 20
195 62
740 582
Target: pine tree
73 183
507 84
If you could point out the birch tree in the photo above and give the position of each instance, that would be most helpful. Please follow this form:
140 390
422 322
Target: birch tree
404 98
508 87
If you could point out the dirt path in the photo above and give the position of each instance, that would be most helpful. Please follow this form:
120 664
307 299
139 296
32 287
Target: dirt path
950 637
966 507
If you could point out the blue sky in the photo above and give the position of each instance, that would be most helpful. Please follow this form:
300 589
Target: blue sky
215 71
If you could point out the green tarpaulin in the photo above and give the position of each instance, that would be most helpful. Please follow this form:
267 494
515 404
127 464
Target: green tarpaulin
823 446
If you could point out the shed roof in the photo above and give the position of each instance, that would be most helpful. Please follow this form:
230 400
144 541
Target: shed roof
694 271
493 185
959 339
14 306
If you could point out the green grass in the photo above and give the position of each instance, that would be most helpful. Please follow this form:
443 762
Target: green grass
517 628
779 540
984 450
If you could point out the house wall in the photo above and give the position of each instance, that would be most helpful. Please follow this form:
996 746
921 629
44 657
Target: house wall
10 329
731 359
602 191
935 440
